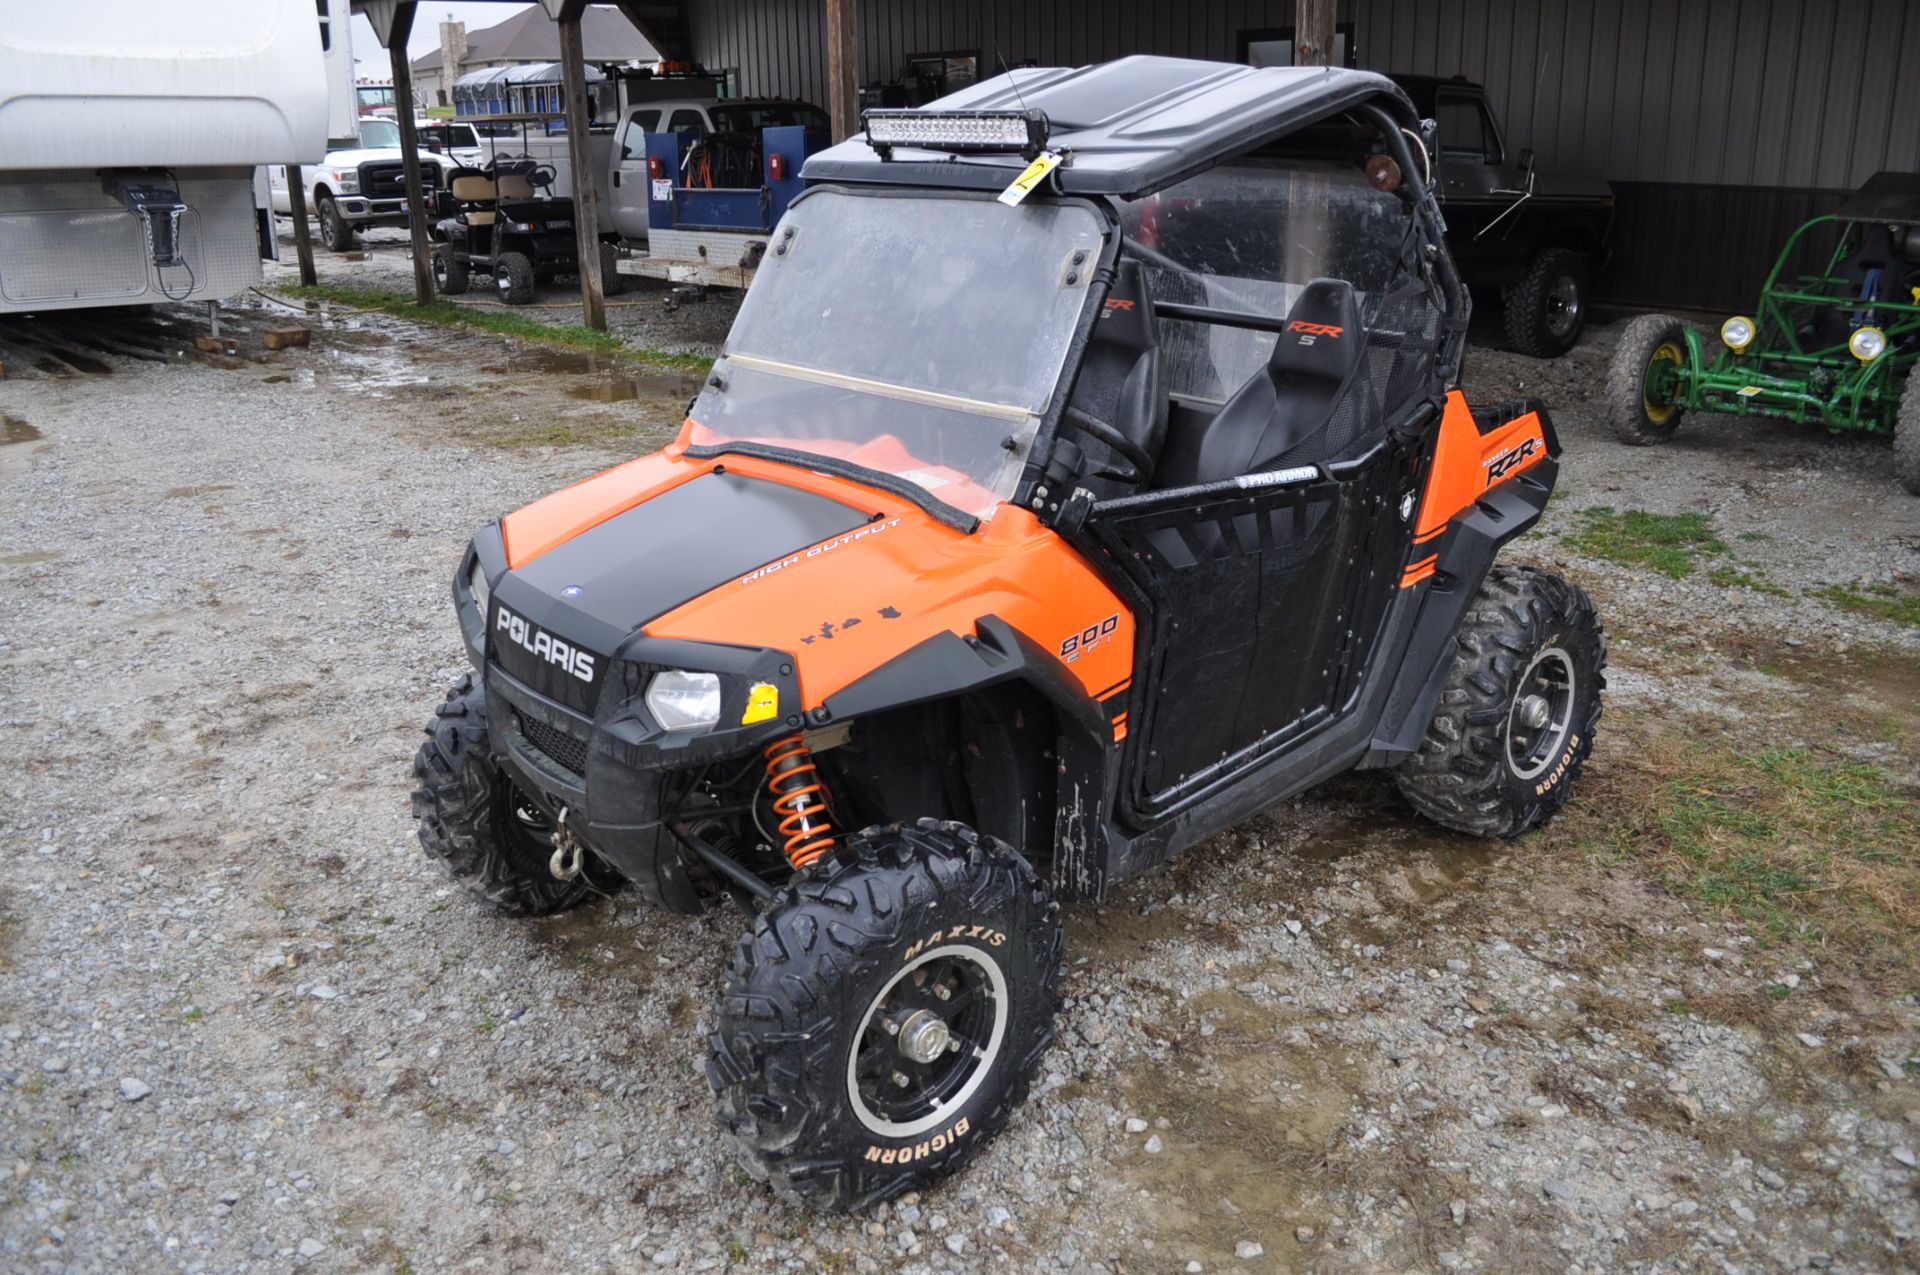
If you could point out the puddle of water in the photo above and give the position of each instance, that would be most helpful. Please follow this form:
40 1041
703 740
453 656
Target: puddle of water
15 430
676 387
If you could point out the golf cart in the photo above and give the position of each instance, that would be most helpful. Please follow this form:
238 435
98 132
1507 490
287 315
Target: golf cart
1082 475
1835 345
503 226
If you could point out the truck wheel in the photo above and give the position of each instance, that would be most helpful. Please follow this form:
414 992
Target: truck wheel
1641 384
612 282
513 278
886 1014
336 232
470 816
1547 309
1906 437
1516 717
449 273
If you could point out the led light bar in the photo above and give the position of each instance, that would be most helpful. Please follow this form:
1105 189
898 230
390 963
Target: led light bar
971 132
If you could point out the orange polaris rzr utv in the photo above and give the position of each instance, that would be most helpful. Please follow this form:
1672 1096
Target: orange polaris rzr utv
1080 477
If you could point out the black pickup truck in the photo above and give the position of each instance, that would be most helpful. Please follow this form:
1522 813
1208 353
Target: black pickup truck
1537 236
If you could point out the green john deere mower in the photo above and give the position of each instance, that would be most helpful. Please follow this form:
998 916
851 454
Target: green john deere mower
1833 347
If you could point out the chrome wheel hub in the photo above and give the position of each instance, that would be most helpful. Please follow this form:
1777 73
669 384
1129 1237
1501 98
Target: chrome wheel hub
924 1036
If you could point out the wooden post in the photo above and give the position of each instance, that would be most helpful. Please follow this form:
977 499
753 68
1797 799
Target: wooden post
586 190
302 235
843 70
410 152
1313 33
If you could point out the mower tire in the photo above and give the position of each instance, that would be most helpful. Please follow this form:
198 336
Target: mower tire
1517 715
886 1014
513 278
450 276
1906 437
1636 419
1546 311
612 282
471 817
336 232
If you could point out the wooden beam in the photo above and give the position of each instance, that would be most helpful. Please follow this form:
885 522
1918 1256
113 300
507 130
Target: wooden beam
586 190
410 151
843 70
302 234
1313 32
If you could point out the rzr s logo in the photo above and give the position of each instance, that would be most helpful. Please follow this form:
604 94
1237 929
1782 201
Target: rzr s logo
544 646
1508 461
1309 332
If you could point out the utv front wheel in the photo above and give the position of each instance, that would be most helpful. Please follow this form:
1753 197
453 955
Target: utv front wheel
1546 311
1906 436
449 273
1516 718
513 278
1643 381
886 1014
471 817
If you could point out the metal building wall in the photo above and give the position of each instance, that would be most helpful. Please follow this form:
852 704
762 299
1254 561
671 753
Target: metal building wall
1721 123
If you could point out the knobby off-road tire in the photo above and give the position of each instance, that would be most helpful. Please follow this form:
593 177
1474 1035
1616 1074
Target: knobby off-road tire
513 278
336 232
1906 436
450 277
471 817
1636 419
1547 310
1517 716
906 924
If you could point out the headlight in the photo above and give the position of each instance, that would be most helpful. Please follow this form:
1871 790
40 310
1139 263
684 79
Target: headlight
1867 344
684 701
477 582
1737 333
347 181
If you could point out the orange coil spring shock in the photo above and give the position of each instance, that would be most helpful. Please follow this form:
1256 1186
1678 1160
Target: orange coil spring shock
799 798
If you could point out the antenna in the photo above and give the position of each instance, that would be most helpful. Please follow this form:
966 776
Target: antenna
1008 72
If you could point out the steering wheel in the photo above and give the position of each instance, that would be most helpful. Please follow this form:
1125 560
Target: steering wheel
541 176
1139 464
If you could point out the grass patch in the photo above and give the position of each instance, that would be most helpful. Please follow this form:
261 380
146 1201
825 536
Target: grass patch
574 431
1882 601
571 336
1728 577
1811 849
1671 544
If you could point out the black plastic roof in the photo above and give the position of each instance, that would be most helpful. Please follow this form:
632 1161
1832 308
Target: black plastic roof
1892 199
1133 125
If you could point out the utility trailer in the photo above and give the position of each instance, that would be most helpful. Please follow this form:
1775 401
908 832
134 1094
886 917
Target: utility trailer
132 137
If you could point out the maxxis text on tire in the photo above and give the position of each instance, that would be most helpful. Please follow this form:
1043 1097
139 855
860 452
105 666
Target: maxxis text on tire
1906 436
513 278
449 273
1546 311
852 946
1482 767
469 816
1634 418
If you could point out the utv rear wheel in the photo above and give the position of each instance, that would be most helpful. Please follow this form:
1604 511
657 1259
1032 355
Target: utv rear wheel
886 1014
1516 718
471 817
449 273
513 278
1643 381
1546 311
1906 436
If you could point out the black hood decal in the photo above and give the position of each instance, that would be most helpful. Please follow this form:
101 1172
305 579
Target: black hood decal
590 592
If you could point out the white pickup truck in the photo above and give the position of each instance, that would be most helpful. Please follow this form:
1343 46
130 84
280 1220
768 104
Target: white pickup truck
361 186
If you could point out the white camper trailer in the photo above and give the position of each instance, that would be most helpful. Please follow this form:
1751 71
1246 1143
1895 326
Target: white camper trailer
131 140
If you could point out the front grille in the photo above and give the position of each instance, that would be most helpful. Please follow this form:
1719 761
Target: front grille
387 179
565 750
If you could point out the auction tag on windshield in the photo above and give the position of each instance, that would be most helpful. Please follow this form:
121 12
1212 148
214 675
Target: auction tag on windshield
1035 174
662 189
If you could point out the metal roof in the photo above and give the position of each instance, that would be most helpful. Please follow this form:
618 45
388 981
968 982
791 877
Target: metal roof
1133 125
1890 198
530 36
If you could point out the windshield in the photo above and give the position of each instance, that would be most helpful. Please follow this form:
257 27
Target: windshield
751 117
379 135
921 336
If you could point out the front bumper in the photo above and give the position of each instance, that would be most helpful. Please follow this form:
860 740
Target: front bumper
359 208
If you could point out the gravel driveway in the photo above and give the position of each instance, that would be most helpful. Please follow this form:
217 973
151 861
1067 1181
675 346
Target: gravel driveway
245 1025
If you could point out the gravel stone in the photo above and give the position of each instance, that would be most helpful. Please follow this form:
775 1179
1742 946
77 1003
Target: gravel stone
134 1090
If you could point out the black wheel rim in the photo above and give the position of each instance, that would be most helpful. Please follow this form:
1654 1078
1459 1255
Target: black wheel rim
1563 306
1540 718
928 1041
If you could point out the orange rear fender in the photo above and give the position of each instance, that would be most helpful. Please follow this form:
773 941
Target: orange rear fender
1466 463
